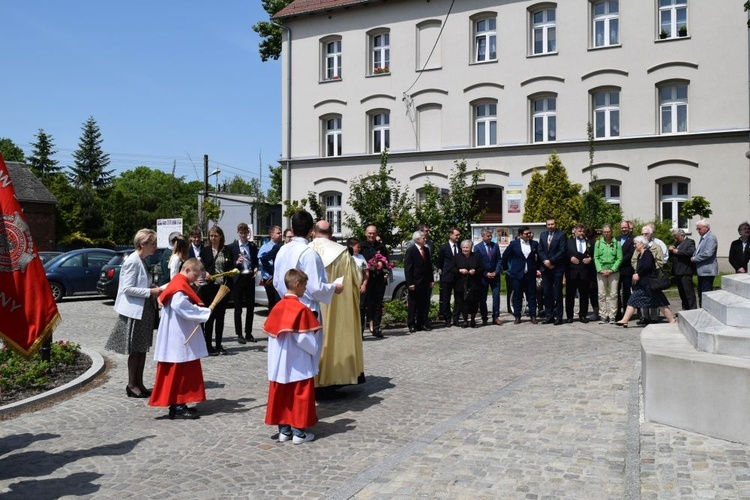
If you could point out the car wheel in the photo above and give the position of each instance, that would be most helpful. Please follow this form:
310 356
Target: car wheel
400 294
58 292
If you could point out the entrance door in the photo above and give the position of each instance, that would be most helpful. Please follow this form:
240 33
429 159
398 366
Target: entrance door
490 200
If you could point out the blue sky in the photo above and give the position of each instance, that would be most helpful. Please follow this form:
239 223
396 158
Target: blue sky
165 80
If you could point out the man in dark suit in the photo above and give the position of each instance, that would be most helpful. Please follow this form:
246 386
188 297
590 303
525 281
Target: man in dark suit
196 243
445 259
489 252
683 268
378 280
626 268
418 273
552 255
245 257
739 250
580 270
521 263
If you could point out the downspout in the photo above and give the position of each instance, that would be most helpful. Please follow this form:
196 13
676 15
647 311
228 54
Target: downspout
288 56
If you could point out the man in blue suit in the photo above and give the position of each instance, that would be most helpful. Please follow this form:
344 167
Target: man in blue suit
490 254
521 262
552 255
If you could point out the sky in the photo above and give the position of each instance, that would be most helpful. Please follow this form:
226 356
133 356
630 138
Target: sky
166 81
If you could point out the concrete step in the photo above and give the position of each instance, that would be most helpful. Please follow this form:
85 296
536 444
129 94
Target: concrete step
708 334
693 390
729 308
738 284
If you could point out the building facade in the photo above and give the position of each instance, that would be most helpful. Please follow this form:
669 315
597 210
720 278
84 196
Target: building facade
503 84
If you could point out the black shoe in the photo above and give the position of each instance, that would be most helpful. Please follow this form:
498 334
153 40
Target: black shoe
426 328
220 351
559 322
549 321
583 319
411 330
249 337
378 333
517 321
456 323
241 339
182 411
447 324
473 324
132 394
465 324
569 320
485 322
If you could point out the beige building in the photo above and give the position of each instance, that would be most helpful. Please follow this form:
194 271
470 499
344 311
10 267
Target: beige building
502 84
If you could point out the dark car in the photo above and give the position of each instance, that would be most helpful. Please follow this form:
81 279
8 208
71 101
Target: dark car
76 272
109 276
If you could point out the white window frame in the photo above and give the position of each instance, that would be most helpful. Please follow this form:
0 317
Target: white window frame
485 35
485 123
380 52
332 136
380 130
674 200
546 29
606 113
545 115
332 57
675 106
608 22
611 192
332 202
669 12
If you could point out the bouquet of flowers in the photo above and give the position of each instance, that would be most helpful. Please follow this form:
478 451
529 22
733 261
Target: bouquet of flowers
379 265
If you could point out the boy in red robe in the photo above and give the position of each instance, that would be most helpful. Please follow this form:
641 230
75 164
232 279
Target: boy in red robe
293 340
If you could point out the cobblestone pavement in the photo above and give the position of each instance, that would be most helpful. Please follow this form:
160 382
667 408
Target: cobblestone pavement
528 412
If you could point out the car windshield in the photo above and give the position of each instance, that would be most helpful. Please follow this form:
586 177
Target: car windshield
51 262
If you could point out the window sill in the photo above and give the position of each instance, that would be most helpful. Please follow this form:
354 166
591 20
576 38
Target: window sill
544 54
387 73
479 63
672 38
330 80
605 47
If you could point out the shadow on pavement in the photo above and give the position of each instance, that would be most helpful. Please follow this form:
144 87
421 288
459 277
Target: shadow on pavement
77 484
42 463
212 406
19 441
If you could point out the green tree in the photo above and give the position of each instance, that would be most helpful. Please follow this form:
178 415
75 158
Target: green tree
747 7
68 209
596 211
90 161
274 192
40 161
10 151
553 196
460 207
238 185
378 199
270 46
696 206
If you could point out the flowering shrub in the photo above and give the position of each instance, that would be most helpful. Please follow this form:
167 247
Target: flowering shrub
380 71
18 373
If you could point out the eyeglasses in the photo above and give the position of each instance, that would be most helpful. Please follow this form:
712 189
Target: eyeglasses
527 234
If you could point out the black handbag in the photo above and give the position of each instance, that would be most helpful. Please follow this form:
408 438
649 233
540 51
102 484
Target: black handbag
659 281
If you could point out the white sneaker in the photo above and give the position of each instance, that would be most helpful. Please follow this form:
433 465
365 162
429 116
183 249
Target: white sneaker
309 436
284 437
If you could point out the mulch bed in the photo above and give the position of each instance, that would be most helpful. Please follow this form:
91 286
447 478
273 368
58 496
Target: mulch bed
59 375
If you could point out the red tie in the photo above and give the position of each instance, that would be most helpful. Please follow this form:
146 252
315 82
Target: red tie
421 250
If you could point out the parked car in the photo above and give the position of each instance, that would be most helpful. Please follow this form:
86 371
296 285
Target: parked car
48 256
76 272
109 276
396 289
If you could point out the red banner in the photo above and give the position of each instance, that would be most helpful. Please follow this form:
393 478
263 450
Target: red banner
28 313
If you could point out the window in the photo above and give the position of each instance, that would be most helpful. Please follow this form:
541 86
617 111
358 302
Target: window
485 124
332 202
672 196
672 18
485 39
380 53
673 108
606 19
380 124
332 61
543 38
332 136
610 192
606 114
544 119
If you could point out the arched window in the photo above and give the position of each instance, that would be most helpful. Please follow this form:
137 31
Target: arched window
332 202
332 135
673 193
605 19
544 118
606 113
485 123
485 37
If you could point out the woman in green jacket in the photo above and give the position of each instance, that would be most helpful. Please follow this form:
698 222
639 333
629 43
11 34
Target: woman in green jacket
607 259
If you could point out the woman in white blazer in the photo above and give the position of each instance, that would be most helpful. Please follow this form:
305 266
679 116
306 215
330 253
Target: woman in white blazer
134 331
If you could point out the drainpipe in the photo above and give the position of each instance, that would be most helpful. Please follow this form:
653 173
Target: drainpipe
288 57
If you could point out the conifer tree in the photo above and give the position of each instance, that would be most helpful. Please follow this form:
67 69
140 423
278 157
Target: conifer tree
40 161
10 151
555 197
90 161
